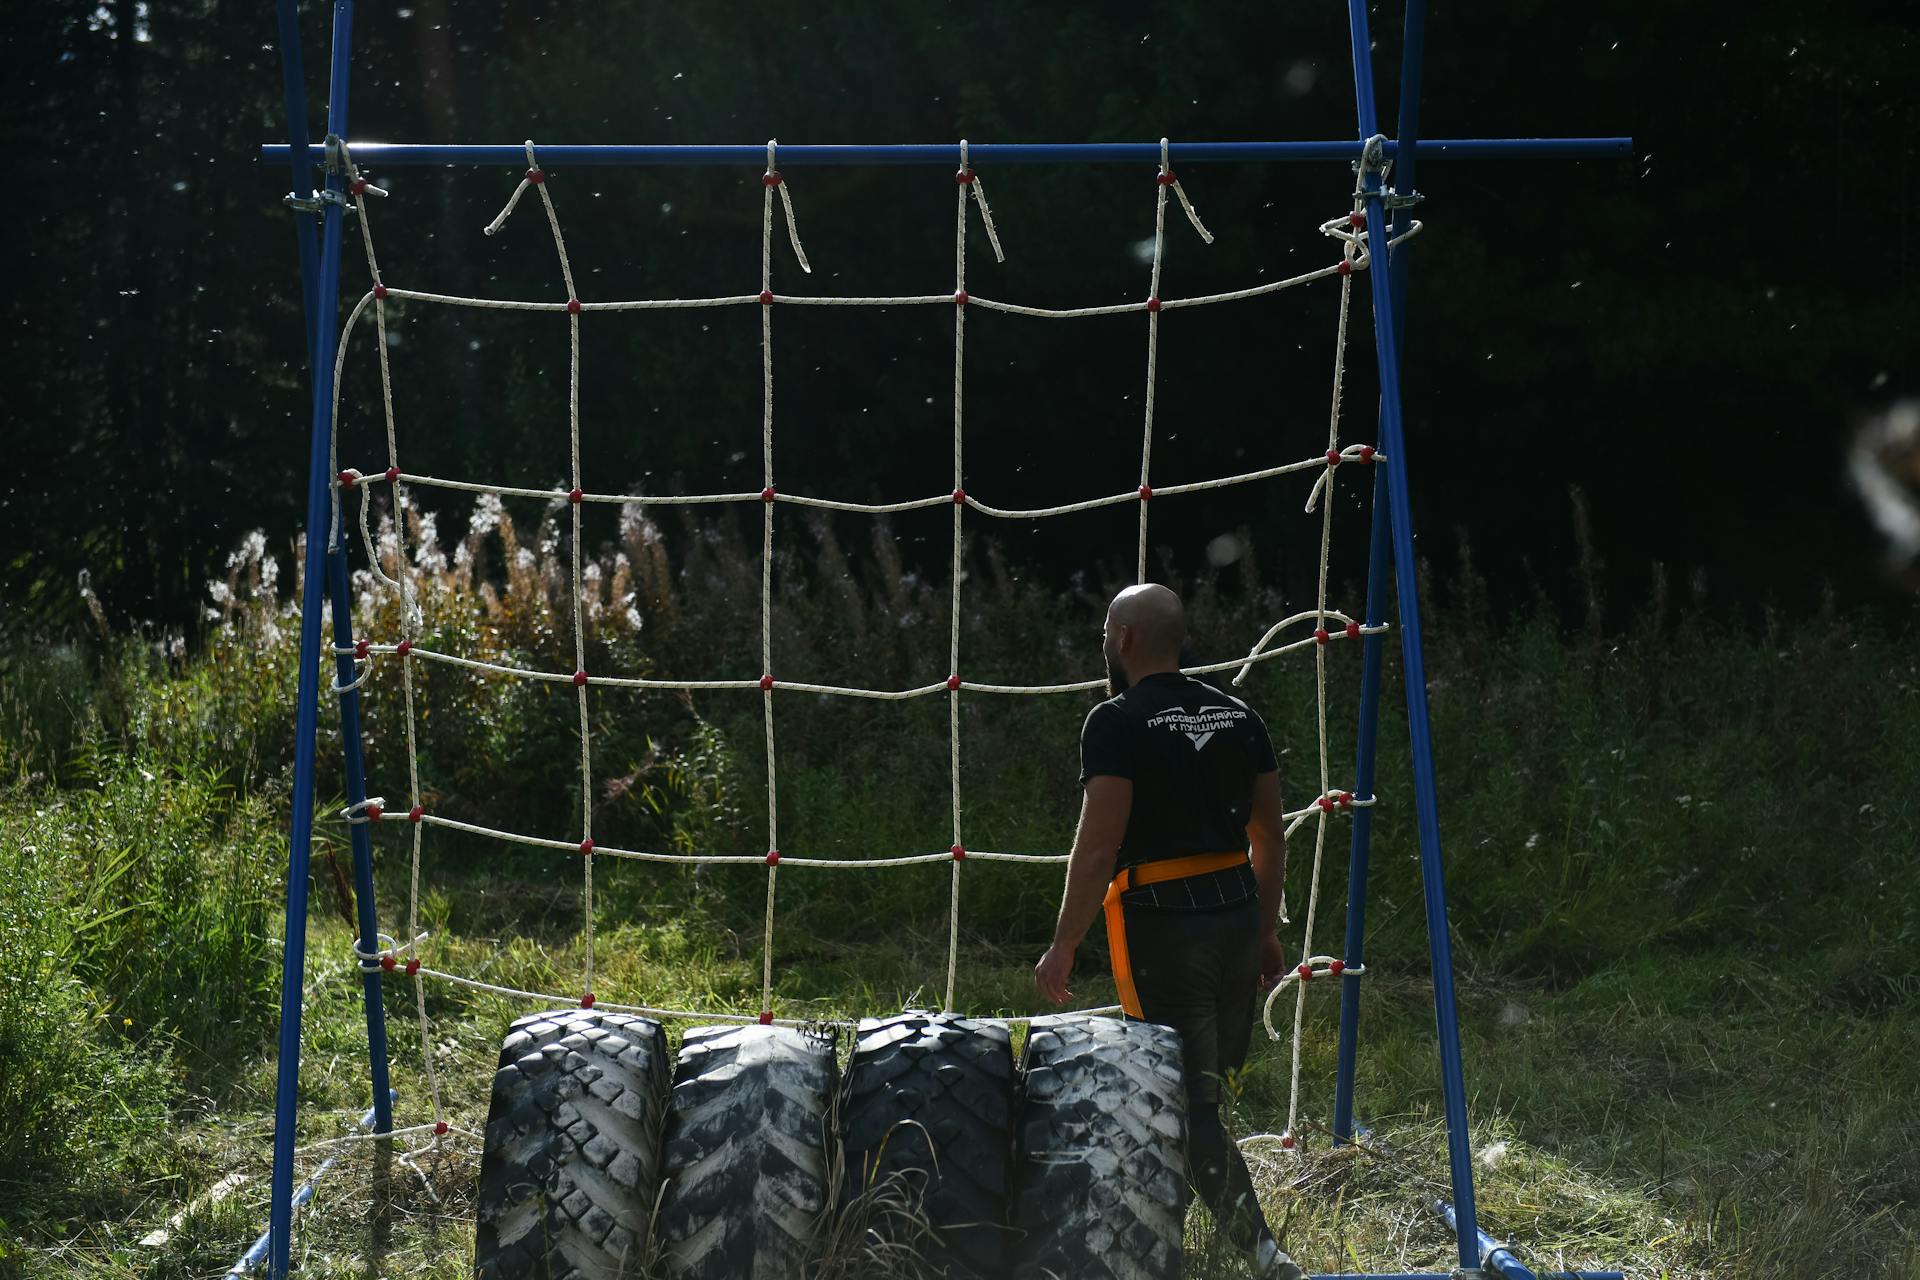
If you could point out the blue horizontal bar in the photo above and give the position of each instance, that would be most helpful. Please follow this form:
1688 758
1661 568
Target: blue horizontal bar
946 153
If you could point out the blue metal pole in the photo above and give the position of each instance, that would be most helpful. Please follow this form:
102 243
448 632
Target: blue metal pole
1412 62
1371 652
1425 785
323 322
362 838
946 154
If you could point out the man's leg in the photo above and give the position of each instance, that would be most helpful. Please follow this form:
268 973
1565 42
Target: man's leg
1187 973
1236 994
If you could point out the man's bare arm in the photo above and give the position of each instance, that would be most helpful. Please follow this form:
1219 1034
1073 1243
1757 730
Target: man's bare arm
1103 824
1104 809
1267 838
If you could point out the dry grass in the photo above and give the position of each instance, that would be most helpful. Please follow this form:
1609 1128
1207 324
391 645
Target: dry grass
884 1228
1570 1188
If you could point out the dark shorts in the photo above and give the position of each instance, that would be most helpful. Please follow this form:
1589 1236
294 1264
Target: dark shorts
1199 973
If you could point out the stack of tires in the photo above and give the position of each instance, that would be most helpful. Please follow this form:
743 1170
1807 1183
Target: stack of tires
931 1155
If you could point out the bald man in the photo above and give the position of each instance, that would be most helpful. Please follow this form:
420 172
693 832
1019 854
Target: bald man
1181 839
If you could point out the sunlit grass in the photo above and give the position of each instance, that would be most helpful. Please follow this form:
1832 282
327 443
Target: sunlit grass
1679 866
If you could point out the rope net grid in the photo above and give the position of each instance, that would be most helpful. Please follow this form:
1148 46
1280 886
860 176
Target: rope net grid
1328 624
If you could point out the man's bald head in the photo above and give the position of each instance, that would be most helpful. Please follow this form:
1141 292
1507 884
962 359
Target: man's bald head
1146 625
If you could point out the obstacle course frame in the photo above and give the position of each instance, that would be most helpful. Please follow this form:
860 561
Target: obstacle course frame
318 226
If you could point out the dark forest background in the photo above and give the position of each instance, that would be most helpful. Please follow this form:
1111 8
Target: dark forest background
1688 337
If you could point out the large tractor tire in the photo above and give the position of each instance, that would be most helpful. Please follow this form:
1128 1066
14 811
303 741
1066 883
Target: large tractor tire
538 1030
1101 1179
571 1155
746 1154
929 1100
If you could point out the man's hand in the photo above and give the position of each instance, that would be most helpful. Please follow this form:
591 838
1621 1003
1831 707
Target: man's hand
1050 975
1103 822
1273 960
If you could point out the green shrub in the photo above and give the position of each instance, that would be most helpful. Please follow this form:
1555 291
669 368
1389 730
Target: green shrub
84 1090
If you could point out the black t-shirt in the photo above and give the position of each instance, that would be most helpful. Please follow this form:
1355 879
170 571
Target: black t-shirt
1191 752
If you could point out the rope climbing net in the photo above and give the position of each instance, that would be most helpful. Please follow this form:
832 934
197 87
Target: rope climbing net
1313 629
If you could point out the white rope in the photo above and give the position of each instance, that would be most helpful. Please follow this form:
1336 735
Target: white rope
770 181
967 177
362 811
769 860
1352 453
1304 971
715 1015
901 300
1294 818
536 178
409 618
409 622
1154 306
953 609
353 1139
1167 179
774 181
366 534
1349 629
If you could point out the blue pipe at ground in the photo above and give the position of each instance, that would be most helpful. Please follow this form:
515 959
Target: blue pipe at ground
1448 1275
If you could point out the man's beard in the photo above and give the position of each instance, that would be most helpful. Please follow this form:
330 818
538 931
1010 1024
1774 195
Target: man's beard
1116 679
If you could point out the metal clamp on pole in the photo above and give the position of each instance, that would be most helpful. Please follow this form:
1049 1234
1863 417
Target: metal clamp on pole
336 163
317 203
1373 159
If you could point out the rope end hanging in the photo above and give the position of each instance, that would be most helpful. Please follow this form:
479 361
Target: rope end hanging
966 177
532 177
1167 179
1313 494
773 182
500 219
357 184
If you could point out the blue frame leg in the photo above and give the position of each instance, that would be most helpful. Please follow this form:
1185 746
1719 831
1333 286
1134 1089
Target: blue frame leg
1426 789
321 289
306 721
1371 654
355 769
1412 60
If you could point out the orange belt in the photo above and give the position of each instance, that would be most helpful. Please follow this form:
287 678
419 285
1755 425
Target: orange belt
1146 873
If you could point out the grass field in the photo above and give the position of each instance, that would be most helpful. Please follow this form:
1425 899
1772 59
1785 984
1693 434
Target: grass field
1680 862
